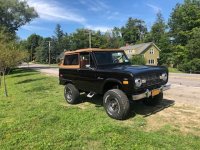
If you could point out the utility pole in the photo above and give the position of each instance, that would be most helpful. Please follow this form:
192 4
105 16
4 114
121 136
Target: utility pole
90 39
49 52
89 32
31 52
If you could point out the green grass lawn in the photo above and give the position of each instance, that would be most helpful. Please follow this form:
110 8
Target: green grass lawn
35 116
174 70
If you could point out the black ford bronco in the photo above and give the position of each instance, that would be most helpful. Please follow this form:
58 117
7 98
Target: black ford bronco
108 72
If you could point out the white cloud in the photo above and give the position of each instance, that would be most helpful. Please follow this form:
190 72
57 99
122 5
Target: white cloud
113 15
155 8
95 5
29 27
98 28
52 11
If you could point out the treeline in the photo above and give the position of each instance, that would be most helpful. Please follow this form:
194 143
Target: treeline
178 38
38 47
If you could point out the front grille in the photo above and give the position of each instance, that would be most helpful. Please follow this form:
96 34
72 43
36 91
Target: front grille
151 80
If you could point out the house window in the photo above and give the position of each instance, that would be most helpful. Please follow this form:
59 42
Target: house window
151 61
151 51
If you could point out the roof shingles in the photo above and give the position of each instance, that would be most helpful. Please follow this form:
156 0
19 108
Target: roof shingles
139 48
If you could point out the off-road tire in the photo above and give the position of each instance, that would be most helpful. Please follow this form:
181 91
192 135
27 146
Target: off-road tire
116 104
153 101
71 94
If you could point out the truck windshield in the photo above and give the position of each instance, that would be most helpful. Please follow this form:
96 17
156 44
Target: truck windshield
104 58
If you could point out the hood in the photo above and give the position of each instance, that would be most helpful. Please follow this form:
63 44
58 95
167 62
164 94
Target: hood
136 70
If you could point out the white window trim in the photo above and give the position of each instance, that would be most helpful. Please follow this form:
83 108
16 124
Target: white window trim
151 62
151 51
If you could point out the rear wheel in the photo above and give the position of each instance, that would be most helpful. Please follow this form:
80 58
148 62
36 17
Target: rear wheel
153 101
71 94
116 104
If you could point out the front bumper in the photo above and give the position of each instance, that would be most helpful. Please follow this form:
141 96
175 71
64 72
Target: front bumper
148 93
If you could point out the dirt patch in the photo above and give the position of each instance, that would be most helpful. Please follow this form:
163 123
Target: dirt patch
185 95
184 118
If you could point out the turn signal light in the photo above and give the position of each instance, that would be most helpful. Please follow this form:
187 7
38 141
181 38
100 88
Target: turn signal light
125 82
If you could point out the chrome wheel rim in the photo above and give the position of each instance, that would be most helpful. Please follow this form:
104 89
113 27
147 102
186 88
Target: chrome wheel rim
68 94
113 106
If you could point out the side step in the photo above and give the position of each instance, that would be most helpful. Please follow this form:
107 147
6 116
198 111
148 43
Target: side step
91 94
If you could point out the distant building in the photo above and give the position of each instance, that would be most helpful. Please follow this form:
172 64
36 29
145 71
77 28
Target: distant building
149 50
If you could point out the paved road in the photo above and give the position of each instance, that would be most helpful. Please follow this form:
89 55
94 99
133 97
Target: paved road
185 88
52 70
185 79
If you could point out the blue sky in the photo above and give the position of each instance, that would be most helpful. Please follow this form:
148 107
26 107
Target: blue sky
100 15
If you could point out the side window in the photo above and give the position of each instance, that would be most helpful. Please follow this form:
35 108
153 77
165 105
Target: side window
84 60
71 59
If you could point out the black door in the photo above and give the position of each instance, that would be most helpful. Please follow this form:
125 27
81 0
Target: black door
87 74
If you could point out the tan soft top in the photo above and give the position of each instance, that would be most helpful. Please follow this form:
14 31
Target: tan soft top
91 50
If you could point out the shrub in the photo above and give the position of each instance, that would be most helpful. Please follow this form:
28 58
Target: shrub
191 66
138 60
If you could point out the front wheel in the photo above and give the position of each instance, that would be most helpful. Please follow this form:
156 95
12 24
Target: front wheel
116 104
153 101
71 94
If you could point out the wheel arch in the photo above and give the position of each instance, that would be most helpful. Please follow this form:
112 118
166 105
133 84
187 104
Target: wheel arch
110 84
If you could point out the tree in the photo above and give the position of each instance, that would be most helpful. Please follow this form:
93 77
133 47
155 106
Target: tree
138 60
15 13
10 56
58 33
193 45
184 26
33 41
192 66
116 40
134 31
184 18
61 40
79 39
160 37
158 29
180 54
42 51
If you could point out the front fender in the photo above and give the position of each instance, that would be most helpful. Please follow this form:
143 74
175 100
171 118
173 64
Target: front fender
110 80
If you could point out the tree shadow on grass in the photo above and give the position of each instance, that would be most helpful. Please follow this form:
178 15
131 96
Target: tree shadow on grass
37 89
18 72
29 80
40 67
136 107
25 74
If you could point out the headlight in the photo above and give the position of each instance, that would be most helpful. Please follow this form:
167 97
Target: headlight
138 82
164 76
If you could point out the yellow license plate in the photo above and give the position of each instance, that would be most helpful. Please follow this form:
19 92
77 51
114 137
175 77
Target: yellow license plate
155 92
